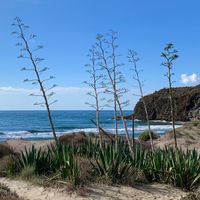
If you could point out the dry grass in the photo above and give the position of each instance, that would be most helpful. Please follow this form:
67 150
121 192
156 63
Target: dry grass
86 169
5 150
5 154
4 163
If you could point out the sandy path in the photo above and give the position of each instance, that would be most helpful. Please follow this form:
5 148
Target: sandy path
101 192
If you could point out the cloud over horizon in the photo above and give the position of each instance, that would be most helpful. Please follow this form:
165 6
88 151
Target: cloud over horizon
190 79
59 90
69 98
16 98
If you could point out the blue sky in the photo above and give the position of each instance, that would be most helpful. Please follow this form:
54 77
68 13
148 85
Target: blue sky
67 29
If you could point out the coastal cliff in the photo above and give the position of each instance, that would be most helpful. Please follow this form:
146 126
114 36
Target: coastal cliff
187 104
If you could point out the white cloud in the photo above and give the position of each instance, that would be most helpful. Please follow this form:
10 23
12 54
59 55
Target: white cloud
71 90
13 90
16 98
69 98
190 79
59 90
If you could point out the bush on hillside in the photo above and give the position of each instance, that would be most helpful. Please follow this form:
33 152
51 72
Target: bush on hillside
144 136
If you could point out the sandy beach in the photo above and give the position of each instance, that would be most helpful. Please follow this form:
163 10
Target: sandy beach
96 191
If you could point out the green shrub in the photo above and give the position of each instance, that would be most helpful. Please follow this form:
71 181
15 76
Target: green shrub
139 160
70 169
144 136
115 164
65 161
112 163
39 160
175 167
58 159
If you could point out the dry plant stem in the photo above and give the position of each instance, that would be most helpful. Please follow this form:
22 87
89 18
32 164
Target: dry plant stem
148 124
133 131
39 81
94 85
170 55
125 126
103 131
146 113
136 76
97 102
113 85
172 106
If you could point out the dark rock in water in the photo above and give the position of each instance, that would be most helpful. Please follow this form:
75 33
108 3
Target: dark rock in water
187 105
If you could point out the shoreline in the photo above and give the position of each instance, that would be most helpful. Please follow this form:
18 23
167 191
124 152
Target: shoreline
187 137
160 129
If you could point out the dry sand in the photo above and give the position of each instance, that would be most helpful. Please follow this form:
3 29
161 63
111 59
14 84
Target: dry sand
101 192
19 145
188 137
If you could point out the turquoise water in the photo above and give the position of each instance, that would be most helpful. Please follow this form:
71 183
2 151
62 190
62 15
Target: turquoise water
33 125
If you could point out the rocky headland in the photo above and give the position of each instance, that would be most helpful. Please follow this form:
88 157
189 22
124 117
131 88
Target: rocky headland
187 105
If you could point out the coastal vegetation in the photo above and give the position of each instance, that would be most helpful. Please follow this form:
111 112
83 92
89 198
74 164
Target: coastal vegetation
170 55
116 165
95 84
113 77
107 77
26 52
133 59
144 136
105 157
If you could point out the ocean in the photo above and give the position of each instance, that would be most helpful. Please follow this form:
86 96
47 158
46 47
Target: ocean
34 125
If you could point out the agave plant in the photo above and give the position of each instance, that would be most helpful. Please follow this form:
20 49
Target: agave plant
39 160
112 164
70 169
65 162
90 148
140 158
179 168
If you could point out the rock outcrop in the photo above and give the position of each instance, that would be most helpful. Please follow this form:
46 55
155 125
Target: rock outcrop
187 104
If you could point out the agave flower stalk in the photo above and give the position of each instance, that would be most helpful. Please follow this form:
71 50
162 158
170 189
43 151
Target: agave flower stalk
29 54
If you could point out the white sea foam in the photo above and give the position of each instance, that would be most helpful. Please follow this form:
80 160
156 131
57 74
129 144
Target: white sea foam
160 129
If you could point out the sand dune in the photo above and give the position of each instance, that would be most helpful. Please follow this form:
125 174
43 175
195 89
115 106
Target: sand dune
101 192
